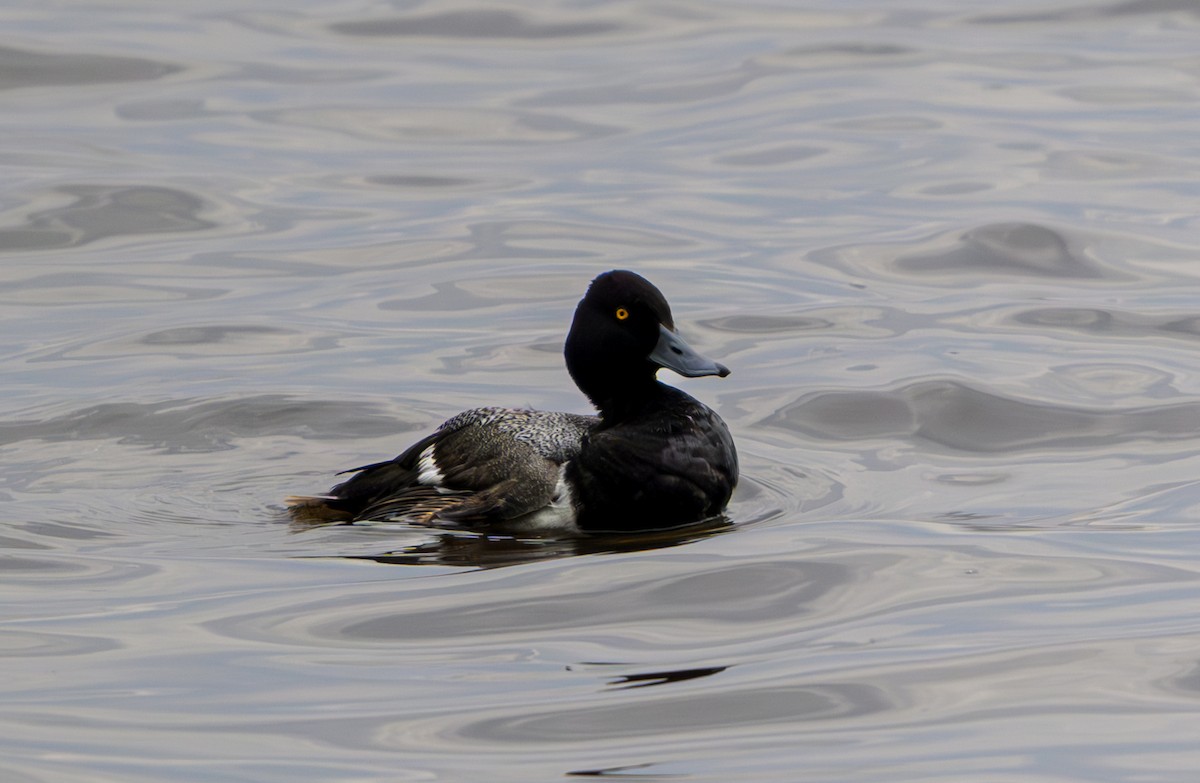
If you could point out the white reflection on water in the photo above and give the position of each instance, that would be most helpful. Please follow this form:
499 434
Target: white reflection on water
947 248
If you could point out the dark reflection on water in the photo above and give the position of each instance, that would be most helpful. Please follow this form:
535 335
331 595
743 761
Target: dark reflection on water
629 772
1080 12
165 110
1111 323
23 68
103 211
766 324
207 335
1005 248
281 74
527 239
205 425
717 710
72 532
49 290
774 156
738 594
13 566
422 182
1000 254
476 23
463 549
647 679
1187 682
427 124
445 297
958 416
641 91
18 644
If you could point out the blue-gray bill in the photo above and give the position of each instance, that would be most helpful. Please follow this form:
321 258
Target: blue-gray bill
673 352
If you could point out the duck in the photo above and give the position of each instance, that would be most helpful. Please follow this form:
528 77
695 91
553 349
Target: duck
651 458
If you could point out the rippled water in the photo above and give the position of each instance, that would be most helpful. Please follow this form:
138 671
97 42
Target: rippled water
948 248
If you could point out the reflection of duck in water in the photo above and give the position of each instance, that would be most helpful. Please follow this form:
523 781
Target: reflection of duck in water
470 549
654 458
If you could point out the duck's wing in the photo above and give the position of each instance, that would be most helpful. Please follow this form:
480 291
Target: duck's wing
482 466
500 483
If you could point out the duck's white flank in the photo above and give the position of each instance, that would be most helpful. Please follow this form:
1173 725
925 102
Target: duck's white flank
558 515
427 470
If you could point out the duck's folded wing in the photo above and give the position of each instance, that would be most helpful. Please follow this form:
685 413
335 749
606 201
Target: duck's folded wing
466 476
483 465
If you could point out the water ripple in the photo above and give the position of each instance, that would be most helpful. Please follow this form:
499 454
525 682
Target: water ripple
958 416
204 425
102 211
948 251
477 23
715 711
21 68
690 604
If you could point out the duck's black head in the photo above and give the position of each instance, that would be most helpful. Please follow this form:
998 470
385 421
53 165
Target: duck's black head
622 335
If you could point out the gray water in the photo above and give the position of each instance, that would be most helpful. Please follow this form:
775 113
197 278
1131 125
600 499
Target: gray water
948 248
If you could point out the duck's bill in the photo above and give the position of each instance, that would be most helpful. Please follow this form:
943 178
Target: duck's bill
675 354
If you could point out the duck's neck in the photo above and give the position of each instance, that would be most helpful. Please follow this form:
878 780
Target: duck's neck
627 401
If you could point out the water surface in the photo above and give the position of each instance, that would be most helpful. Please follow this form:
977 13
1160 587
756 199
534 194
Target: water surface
947 248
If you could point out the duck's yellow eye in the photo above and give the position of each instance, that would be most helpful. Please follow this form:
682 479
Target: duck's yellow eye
622 313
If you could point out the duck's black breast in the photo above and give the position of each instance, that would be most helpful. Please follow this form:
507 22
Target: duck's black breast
669 462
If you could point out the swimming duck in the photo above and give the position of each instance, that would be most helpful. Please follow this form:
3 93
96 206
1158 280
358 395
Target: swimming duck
654 458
